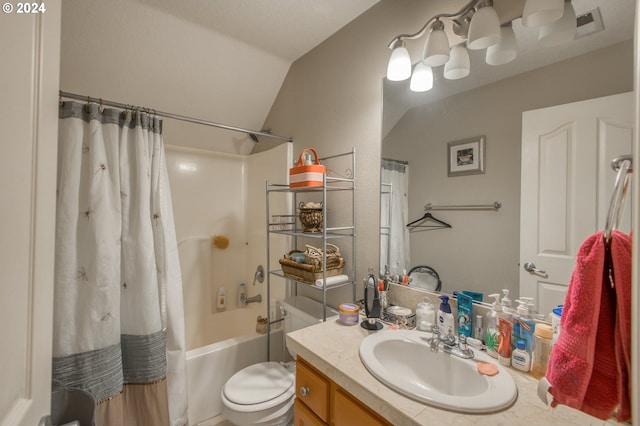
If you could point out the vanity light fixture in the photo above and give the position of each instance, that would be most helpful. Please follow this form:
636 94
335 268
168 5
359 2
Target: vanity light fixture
422 78
477 25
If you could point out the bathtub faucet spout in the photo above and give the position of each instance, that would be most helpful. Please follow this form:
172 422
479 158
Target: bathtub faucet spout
244 301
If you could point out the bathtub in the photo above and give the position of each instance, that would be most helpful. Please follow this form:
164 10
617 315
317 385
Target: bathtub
210 366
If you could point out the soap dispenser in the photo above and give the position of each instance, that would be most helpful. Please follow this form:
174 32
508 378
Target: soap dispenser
523 307
445 317
492 339
506 302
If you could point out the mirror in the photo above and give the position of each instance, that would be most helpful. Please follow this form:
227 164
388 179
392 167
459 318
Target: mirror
480 251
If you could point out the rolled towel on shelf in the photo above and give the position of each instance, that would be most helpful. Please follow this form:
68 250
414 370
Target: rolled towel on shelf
334 280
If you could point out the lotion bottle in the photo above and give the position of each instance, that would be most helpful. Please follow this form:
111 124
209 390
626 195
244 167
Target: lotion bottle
445 317
221 299
520 358
492 339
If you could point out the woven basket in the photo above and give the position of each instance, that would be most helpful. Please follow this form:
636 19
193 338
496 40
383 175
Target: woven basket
310 273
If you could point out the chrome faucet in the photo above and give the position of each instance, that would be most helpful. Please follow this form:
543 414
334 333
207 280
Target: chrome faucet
435 338
448 343
244 300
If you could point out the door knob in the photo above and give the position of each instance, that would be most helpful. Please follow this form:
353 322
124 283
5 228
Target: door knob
531 267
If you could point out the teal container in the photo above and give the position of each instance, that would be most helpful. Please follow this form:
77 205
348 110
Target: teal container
477 297
465 315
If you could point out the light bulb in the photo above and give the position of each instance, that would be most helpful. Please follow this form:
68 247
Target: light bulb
562 30
422 78
505 50
459 65
399 67
436 48
537 13
484 29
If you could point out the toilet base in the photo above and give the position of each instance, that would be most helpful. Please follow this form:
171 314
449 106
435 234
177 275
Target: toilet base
277 416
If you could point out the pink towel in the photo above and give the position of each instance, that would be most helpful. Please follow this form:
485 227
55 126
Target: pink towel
590 363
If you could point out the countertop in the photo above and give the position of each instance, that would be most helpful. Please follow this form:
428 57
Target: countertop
333 349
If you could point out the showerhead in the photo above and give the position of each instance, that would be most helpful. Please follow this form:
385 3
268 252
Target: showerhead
254 137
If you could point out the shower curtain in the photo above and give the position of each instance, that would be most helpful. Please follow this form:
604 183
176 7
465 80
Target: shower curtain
396 255
118 312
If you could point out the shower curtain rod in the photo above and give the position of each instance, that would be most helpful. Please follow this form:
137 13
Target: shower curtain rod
173 116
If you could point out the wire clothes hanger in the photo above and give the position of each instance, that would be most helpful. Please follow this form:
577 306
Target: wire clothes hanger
428 216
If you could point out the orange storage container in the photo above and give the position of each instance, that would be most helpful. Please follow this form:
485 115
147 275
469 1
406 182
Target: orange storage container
302 175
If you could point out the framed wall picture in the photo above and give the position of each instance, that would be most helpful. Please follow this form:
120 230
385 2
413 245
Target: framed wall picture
466 157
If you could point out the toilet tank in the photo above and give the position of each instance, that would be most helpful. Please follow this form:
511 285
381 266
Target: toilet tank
303 312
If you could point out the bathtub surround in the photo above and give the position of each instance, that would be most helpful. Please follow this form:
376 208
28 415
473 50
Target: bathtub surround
215 194
118 312
223 194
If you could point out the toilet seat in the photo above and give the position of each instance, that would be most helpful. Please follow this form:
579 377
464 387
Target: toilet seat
259 387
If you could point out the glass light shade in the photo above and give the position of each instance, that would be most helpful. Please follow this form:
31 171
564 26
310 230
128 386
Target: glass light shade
564 29
422 78
538 13
484 29
505 50
436 49
399 67
459 65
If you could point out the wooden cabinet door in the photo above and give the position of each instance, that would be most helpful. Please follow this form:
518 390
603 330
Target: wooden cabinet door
303 416
347 411
312 388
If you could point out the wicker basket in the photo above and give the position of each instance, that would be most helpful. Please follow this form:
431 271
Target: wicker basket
310 273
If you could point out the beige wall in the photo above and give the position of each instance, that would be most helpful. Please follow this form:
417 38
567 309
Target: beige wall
481 251
332 100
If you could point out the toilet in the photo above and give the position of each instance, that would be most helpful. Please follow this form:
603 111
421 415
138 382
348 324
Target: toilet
263 393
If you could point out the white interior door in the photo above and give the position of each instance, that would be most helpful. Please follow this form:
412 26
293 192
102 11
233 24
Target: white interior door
566 187
30 52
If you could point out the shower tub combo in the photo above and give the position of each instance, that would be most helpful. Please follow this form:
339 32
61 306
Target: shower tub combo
209 367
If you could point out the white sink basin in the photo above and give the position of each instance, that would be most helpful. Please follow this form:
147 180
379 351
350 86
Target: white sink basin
403 360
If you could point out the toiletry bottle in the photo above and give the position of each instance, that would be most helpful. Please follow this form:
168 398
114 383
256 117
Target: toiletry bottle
504 348
221 298
242 294
506 302
465 315
445 317
556 318
542 343
531 306
492 339
478 328
520 359
523 308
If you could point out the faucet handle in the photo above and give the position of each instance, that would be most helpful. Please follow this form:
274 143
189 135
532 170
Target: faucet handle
450 338
462 342
435 330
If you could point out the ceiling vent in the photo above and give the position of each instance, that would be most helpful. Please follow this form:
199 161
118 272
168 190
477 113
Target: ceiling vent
589 23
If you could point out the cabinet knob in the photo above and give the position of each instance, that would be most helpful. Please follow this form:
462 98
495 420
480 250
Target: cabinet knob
304 391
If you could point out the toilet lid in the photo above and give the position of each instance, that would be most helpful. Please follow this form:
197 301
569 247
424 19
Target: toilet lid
258 383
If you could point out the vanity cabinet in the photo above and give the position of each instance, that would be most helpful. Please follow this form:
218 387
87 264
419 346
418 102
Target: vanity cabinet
320 401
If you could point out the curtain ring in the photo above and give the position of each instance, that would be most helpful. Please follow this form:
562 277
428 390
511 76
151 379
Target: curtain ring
60 101
101 107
